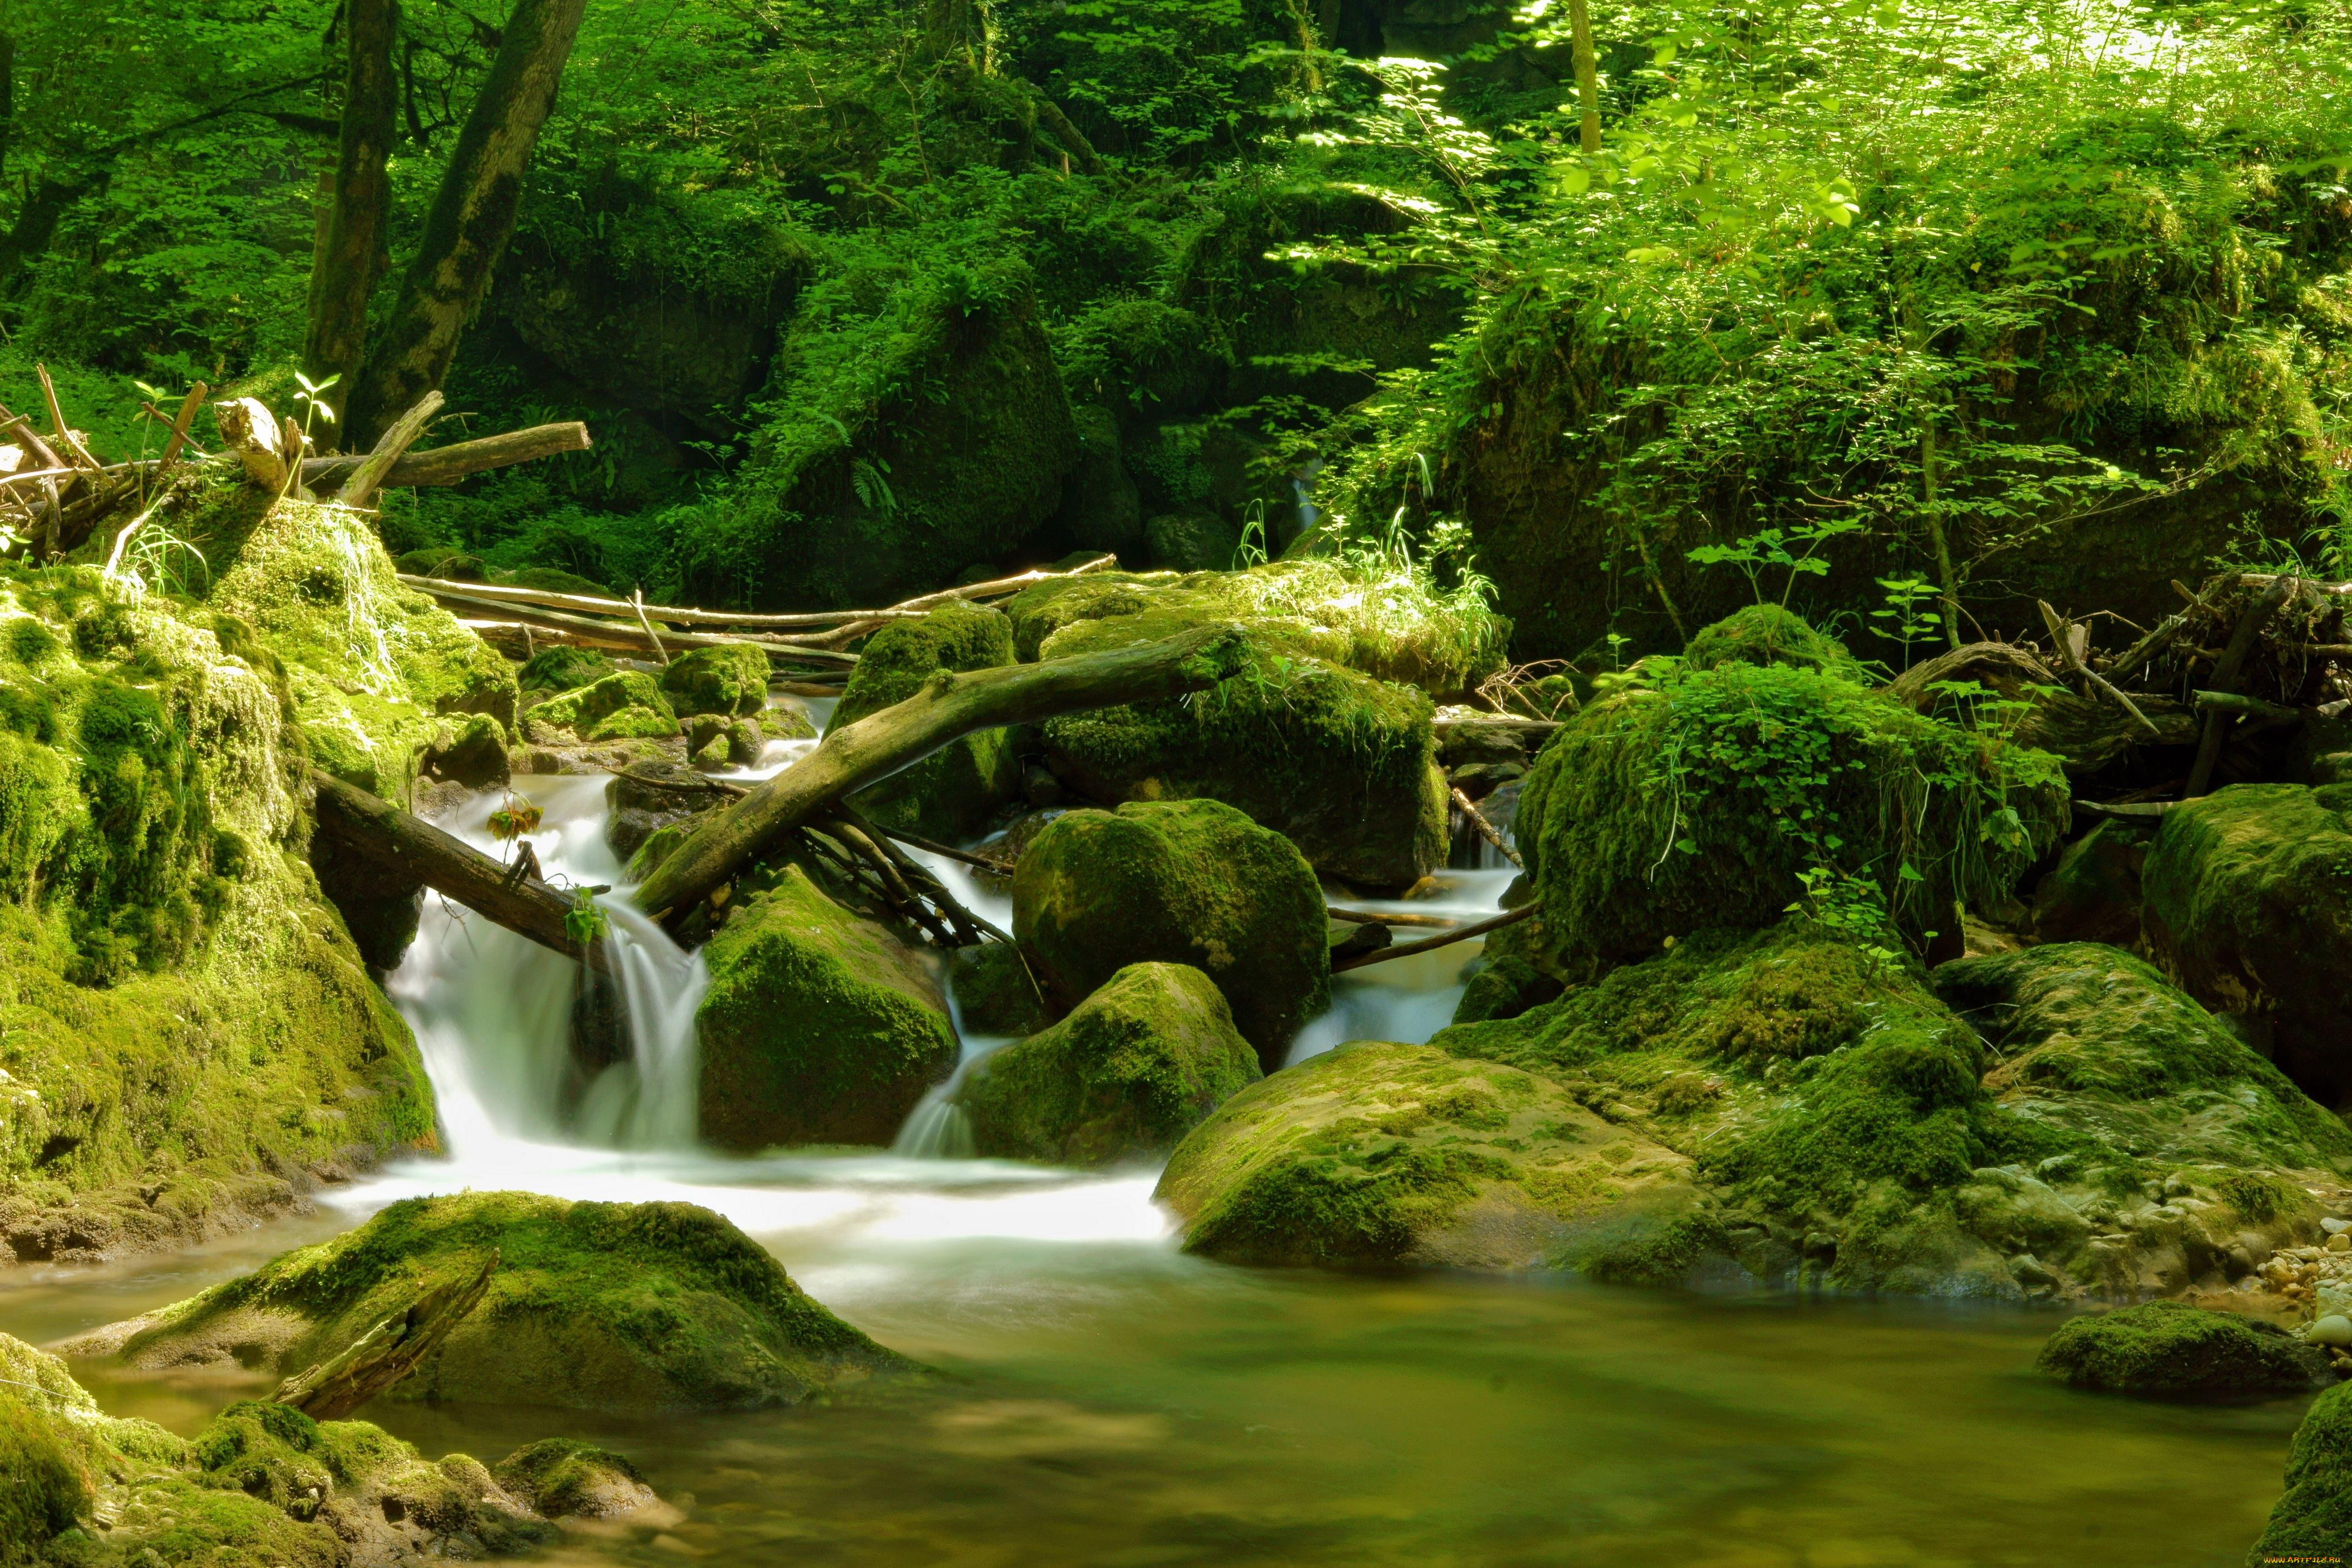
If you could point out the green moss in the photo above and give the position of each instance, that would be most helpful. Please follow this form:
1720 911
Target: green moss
1702 799
278 1454
563 1478
627 705
1135 1067
2314 1520
730 681
2164 1350
653 1306
559 669
1192 883
1341 763
1768 634
819 1026
46 1489
955 790
995 995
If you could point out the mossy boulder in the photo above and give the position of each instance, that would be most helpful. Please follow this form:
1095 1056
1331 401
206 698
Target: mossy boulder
2165 1350
563 1478
1193 882
171 964
995 995
595 1306
2314 1520
1341 763
1721 797
559 669
2249 907
1135 1067
954 791
1376 1152
626 705
2092 895
1764 634
729 681
819 1026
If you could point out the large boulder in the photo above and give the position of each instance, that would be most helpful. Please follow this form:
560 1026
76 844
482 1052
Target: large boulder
2249 907
819 1026
1376 1152
625 706
1134 1068
1721 797
1341 763
1193 882
730 681
2314 1520
617 1307
2164 1350
954 791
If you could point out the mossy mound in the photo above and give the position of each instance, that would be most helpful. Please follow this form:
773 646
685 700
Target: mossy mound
188 1027
1134 1068
2122 1143
1722 797
2314 1520
559 669
1193 882
2164 1350
626 705
1765 634
2248 905
1341 763
819 1026
595 1306
1379 1153
730 681
375 669
955 790
563 1478
995 995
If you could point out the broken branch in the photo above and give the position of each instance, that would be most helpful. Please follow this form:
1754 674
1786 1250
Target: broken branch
1430 945
387 1353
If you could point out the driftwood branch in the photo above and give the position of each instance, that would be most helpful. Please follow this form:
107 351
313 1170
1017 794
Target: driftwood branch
73 449
383 834
387 1353
2072 647
947 707
360 489
1431 944
180 423
1477 819
2225 679
1367 917
668 614
608 634
448 464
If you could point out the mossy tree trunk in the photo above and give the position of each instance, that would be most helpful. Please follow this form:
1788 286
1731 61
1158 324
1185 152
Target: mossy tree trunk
354 255
472 219
1588 73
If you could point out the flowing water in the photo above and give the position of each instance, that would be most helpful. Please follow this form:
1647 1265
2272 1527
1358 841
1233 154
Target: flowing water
1103 1399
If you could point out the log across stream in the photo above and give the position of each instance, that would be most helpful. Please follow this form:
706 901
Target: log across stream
1159 1409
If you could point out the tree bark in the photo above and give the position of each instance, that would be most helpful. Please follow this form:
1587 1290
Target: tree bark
1588 73
948 706
382 833
448 464
472 219
387 1353
356 252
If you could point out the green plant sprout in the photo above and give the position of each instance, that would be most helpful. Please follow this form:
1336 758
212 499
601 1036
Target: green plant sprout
1773 546
1906 622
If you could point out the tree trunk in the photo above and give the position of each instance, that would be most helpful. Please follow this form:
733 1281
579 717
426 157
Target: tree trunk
355 255
1588 72
948 706
472 219
448 464
383 834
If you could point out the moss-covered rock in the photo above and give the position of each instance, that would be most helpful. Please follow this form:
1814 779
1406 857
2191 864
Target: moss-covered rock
2092 895
563 1478
1768 634
187 1028
2314 1520
819 1026
1722 797
730 681
1380 1153
996 994
1191 882
2249 907
1135 1067
626 705
1341 763
955 790
559 669
2164 1350
595 1306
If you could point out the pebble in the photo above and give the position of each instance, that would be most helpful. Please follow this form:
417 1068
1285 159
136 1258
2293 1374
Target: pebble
2340 1243
2332 1331
2335 1226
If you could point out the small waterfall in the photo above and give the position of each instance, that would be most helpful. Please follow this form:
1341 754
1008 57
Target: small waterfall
650 1101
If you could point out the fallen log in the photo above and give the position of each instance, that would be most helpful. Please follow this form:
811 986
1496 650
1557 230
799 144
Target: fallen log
669 614
1367 917
947 707
380 832
448 464
606 634
1477 819
387 1353
1444 939
2225 679
360 489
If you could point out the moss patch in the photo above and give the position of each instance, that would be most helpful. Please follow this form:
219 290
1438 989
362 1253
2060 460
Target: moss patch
955 790
626 705
2163 1350
563 1478
730 681
2314 1517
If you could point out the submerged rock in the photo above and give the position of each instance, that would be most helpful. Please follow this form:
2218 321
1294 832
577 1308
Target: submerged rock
2163 1350
1191 882
2314 1520
2249 907
819 1026
729 681
954 791
1135 1067
1378 1153
595 1306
